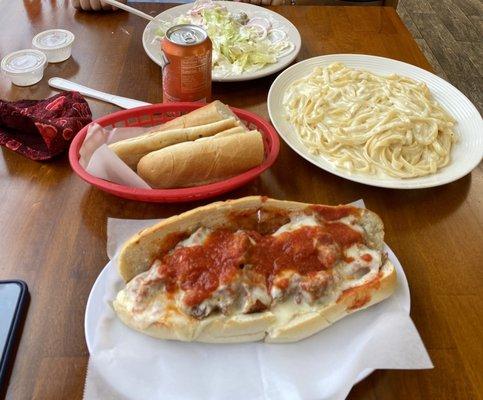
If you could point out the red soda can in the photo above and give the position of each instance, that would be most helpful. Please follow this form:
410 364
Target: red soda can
187 70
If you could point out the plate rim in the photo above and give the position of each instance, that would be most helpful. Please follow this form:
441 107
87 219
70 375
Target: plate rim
277 67
359 178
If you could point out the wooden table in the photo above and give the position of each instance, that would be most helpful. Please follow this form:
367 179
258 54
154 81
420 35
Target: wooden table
53 225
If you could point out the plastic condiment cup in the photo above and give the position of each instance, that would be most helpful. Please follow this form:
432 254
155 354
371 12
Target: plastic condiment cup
24 67
55 43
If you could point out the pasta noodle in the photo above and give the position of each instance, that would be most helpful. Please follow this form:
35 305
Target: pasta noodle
368 123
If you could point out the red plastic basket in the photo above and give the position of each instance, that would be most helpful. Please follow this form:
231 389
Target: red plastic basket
160 113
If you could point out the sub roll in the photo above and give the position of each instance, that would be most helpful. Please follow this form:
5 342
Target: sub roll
202 161
253 269
132 150
213 112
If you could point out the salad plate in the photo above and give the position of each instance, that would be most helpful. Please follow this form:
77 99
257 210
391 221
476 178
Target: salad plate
249 41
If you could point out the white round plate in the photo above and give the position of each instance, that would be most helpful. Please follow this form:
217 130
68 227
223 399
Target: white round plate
465 155
97 301
152 46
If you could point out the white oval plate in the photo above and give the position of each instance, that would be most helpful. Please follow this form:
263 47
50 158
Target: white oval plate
153 46
109 277
465 155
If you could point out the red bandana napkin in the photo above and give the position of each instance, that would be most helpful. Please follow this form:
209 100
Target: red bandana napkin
42 129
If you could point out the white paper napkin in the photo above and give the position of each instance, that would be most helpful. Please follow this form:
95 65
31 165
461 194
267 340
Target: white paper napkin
125 364
100 161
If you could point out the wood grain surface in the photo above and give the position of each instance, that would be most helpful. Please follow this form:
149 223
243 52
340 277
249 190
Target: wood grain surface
450 34
53 225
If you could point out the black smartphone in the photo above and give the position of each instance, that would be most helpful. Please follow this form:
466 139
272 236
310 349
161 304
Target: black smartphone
13 304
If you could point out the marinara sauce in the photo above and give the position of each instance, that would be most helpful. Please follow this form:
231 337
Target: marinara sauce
200 269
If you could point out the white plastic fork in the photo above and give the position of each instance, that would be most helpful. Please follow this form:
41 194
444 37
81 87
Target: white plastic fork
132 10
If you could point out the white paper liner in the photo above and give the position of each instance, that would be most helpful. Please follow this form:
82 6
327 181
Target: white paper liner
125 364
100 161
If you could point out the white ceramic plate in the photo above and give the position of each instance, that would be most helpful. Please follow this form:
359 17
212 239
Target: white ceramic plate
465 155
152 46
97 302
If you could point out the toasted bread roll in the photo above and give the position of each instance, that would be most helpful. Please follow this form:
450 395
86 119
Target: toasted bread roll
213 112
360 274
132 150
202 161
236 129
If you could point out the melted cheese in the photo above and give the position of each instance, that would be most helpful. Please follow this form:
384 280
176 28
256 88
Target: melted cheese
293 280
220 299
254 294
198 237
146 312
352 273
276 292
141 281
289 310
297 221
351 222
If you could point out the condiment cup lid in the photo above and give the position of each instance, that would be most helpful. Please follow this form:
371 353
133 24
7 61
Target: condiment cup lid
23 61
53 39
